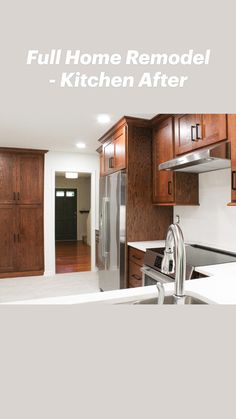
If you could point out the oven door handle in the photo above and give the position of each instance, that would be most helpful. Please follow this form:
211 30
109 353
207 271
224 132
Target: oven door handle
157 276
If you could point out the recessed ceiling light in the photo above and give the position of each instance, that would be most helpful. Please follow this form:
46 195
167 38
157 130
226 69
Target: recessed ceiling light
103 118
71 175
81 145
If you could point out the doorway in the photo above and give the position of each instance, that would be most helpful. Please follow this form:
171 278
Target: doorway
66 214
72 223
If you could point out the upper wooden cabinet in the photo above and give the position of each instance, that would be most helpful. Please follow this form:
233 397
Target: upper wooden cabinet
232 138
113 153
194 131
21 178
170 188
186 132
8 181
163 150
30 179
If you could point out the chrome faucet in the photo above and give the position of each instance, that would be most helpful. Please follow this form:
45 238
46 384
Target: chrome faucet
174 260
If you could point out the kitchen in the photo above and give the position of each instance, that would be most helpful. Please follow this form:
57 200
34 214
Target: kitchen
153 171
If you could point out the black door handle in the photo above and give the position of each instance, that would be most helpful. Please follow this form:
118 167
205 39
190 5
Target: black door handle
169 187
234 181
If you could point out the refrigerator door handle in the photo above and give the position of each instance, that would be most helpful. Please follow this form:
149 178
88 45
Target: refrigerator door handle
104 227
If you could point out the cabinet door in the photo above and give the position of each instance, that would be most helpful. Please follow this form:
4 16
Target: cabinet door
101 159
232 138
214 128
119 144
163 181
185 133
8 238
30 179
8 186
30 238
109 158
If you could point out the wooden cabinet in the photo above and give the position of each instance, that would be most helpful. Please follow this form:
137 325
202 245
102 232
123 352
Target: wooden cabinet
120 149
232 138
193 131
186 132
21 212
30 238
109 157
163 191
136 258
8 172
113 155
170 188
30 179
8 238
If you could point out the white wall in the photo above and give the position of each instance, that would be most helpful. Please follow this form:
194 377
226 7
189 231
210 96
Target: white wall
83 186
63 162
213 223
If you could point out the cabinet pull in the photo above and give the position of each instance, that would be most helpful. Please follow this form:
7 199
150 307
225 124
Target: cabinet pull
111 163
136 277
234 181
18 196
199 131
193 133
169 187
136 257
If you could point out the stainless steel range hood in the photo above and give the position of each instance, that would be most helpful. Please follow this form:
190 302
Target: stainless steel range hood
210 158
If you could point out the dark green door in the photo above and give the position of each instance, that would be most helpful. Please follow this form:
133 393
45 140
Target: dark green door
66 214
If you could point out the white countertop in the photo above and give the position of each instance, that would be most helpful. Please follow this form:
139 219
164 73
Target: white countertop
218 288
147 244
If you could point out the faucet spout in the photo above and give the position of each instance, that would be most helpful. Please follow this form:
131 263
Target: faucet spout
175 258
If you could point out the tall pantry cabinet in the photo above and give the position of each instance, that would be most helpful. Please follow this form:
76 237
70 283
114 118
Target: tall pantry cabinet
21 212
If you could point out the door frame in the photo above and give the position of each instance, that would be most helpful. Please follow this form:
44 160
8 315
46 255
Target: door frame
76 225
49 247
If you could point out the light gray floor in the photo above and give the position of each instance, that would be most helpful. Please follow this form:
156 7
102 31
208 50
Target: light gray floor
27 288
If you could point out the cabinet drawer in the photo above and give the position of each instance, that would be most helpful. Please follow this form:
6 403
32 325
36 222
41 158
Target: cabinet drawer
135 275
136 256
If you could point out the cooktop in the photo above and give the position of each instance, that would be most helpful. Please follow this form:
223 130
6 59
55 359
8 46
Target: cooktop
197 255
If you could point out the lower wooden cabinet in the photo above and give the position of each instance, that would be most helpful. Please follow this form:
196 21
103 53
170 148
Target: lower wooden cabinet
170 188
136 258
30 240
8 239
21 246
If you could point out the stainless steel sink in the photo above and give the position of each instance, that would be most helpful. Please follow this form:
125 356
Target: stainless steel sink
171 299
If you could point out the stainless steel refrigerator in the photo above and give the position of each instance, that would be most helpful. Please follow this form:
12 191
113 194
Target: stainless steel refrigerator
111 237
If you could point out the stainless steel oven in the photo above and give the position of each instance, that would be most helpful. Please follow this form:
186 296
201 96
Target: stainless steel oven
151 276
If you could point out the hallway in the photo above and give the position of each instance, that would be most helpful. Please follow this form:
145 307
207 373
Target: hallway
72 256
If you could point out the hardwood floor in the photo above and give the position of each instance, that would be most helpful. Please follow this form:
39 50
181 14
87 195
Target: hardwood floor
72 256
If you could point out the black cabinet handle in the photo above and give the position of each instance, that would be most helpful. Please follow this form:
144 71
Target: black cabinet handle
234 181
136 257
18 196
193 133
169 187
136 277
111 163
199 131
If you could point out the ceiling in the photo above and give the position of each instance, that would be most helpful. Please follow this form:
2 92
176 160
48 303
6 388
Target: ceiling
25 128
